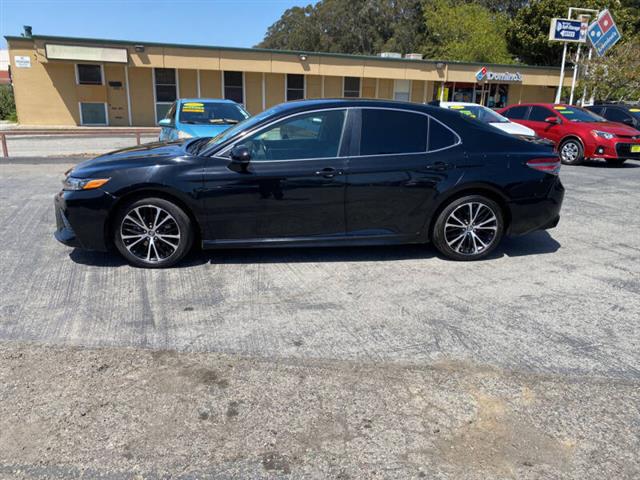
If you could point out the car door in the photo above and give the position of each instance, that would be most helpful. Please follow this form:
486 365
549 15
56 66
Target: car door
293 186
395 171
537 121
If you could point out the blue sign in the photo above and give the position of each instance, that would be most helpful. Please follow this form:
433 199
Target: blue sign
603 33
565 30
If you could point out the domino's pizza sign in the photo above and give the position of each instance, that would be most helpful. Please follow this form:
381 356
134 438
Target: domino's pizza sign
603 33
484 74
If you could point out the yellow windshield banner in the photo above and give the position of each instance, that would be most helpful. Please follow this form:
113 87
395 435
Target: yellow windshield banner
456 107
193 107
560 107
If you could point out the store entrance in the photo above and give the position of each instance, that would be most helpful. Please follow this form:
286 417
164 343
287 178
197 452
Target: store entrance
492 95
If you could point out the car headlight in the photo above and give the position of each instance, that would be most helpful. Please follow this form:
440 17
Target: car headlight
598 133
72 183
182 134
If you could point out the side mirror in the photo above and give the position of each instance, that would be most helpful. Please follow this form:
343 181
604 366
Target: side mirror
552 120
240 157
166 122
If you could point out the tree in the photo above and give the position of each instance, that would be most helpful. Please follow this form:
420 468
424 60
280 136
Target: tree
465 32
349 26
616 76
7 103
528 35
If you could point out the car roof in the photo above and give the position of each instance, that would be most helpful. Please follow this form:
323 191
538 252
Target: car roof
310 104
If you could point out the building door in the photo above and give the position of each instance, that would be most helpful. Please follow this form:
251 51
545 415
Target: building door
117 106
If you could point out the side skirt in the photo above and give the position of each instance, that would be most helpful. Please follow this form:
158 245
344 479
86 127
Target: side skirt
320 241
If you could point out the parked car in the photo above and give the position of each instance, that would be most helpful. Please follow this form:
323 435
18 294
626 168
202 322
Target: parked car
316 173
489 116
618 112
578 133
200 117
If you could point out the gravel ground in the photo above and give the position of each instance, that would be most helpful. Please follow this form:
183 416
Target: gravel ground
384 362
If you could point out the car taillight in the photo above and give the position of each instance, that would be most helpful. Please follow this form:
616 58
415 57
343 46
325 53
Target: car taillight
548 165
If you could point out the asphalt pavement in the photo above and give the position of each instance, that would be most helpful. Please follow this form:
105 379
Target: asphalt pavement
371 362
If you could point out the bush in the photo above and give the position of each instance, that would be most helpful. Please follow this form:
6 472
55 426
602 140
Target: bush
7 104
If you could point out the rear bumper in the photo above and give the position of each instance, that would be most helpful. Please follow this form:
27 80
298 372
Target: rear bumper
537 213
81 218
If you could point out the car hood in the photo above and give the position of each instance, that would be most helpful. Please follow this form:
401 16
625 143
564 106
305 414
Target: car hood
156 153
613 127
199 130
514 128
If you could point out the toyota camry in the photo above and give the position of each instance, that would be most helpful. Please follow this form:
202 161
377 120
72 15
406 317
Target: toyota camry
315 173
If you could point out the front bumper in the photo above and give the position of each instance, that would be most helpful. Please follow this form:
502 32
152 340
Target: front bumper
81 218
614 150
537 213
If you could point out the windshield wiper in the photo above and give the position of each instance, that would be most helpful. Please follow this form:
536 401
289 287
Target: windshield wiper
223 120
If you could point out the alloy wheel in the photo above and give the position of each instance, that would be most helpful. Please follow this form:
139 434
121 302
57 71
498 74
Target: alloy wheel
471 228
570 152
150 233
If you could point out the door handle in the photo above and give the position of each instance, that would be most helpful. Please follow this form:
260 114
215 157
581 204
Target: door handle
328 172
439 166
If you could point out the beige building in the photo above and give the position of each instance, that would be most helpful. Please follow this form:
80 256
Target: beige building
79 81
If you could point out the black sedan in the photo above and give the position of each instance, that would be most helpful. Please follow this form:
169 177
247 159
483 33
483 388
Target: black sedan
316 173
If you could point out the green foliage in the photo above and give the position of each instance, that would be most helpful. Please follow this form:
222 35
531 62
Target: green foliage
349 26
7 104
465 32
616 76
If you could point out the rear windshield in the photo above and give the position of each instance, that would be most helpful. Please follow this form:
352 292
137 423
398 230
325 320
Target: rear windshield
484 114
575 114
209 113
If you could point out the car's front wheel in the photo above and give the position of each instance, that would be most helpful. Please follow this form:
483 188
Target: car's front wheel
152 233
571 152
469 228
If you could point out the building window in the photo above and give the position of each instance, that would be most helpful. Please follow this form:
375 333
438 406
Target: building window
295 87
89 74
166 90
401 90
351 86
93 113
234 86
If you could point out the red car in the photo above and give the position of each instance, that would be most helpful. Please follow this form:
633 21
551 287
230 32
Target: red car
578 133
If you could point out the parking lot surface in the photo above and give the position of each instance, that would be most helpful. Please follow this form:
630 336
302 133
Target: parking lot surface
385 362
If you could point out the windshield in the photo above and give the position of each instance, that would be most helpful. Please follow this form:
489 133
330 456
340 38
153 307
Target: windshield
575 114
210 113
484 114
635 112
245 125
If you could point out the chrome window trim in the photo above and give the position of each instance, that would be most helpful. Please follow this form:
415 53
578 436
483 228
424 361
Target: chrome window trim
417 112
221 154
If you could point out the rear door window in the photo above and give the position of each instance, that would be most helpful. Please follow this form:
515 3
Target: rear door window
517 113
386 132
440 136
539 114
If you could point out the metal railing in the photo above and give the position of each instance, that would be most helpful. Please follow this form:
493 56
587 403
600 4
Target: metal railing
81 132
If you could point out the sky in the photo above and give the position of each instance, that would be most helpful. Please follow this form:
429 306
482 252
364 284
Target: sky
233 23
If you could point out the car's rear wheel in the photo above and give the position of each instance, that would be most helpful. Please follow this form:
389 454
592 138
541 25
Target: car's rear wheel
152 233
469 228
571 152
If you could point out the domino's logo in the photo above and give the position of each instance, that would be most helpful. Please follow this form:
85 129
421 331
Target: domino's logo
481 74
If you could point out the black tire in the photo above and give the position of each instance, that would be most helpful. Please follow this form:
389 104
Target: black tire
143 245
464 242
571 152
616 163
